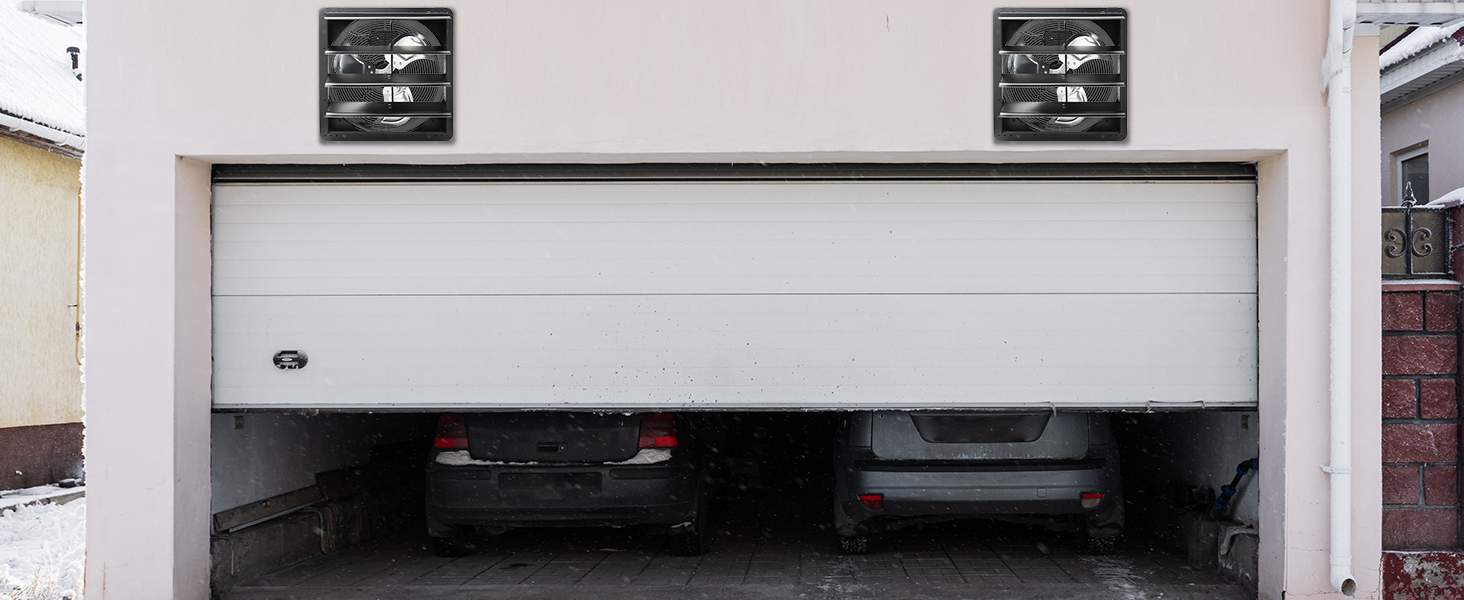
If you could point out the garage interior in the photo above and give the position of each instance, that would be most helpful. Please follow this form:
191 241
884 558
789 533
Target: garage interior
352 306
350 523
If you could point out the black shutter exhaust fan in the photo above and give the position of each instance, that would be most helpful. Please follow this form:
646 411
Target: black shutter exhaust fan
386 74
1061 74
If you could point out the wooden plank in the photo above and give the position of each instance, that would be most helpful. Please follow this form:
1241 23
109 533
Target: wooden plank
267 508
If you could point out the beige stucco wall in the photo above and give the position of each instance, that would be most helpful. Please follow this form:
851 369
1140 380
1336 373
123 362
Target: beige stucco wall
710 81
1436 120
40 382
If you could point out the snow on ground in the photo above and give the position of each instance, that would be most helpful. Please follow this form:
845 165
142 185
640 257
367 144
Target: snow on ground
42 551
36 82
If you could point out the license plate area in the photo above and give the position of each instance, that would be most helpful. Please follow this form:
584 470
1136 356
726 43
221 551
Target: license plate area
549 486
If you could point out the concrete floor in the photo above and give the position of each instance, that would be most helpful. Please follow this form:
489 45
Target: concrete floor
752 558
774 541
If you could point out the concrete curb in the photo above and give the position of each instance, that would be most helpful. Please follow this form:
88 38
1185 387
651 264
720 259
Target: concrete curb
60 496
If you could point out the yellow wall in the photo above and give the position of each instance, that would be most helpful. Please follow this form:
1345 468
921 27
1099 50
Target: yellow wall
40 382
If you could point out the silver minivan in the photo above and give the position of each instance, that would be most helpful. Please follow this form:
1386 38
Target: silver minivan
1056 469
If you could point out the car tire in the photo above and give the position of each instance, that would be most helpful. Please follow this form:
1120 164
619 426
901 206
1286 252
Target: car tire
853 544
452 547
693 538
1098 546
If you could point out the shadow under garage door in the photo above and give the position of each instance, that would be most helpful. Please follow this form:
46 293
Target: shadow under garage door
772 539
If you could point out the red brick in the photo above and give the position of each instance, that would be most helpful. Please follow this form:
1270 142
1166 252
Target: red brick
1423 442
1403 311
1420 355
1437 399
1411 528
1400 485
1399 399
1440 486
1441 311
1423 575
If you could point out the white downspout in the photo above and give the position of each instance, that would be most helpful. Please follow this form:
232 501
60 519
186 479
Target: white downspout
1337 81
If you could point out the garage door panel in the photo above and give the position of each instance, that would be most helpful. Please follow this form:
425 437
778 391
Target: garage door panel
610 220
751 351
265 254
361 277
778 238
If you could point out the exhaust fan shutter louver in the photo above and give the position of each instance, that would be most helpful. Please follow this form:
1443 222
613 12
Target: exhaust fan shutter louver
1061 74
386 74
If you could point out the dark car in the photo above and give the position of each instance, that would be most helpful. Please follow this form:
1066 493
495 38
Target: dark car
1058 469
565 469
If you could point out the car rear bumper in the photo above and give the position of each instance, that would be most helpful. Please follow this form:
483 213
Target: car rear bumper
916 493
562 495
976 488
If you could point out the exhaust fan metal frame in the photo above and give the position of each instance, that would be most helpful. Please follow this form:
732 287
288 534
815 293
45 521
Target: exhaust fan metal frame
1071 84
386 74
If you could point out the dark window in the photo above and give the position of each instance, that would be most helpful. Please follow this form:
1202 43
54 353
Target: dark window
1415 175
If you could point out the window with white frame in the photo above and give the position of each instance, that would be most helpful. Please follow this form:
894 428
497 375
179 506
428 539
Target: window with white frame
1413 175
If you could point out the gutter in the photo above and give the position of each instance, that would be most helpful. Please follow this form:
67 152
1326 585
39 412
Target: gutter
42 131
1337 82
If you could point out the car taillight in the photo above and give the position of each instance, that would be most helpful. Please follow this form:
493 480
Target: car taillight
452 432
1091 499
872 501
657 430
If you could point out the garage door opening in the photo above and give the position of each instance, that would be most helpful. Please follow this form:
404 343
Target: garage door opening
797 373
771 488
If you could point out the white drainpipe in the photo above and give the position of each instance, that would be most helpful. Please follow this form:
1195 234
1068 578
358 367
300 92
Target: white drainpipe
1337 80
38 130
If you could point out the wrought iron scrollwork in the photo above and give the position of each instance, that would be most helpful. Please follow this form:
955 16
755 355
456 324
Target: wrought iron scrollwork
1394 242
1410 234
1421 236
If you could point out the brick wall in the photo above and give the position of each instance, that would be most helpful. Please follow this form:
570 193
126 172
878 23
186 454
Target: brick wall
1421 443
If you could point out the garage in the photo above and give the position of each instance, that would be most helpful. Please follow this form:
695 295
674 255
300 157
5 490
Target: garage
354 305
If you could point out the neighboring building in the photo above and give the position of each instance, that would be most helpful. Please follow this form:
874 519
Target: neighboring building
42 128
1421 76
1423 112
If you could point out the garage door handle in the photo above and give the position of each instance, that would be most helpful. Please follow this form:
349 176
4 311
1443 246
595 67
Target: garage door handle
552 446
290 359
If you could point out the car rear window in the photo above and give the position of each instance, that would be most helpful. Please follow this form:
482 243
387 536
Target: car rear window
987 428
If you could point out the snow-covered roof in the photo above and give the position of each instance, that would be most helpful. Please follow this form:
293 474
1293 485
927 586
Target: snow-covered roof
36 82
1450 200
1416 41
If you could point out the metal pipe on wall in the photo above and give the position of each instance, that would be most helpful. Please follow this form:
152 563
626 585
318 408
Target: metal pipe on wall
1337 82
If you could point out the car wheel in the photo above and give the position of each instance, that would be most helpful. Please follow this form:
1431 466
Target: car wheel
1099 545
452 547
694 537
853 544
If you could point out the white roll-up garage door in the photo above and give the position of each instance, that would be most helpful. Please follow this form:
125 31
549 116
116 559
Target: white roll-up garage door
733 295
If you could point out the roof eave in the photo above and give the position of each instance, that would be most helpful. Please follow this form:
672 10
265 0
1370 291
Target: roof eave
41 136
1383 14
